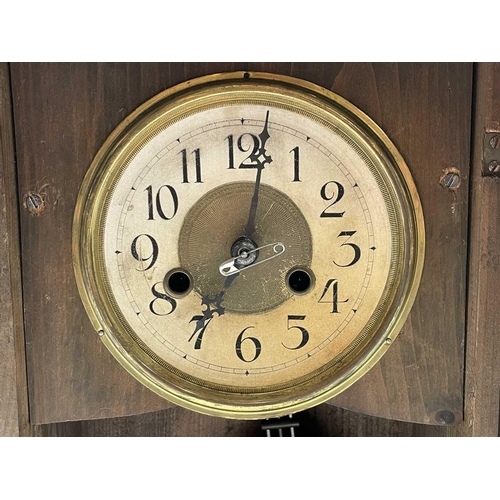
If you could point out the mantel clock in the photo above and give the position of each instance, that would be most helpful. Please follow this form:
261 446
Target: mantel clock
248 245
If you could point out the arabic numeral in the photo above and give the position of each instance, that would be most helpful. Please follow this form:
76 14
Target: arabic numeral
239 345
304 332
333 285
137 252
245 143
199 329
156 308
296 164
230 140
158 204
197 160
332 193
357 250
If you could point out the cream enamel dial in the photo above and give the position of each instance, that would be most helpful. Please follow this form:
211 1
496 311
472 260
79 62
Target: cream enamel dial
248 245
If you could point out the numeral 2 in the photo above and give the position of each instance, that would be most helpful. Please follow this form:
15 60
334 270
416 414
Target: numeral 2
336 196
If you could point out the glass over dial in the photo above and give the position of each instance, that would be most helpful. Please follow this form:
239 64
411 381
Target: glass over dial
251 249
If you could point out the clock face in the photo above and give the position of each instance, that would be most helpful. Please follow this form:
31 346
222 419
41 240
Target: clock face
246 248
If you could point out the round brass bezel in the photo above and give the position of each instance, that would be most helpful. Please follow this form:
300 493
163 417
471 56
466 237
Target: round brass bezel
273 90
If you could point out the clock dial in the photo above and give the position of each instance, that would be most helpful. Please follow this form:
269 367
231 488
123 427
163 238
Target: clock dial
247 248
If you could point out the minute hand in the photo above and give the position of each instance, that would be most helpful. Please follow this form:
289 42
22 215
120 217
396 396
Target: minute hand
259 160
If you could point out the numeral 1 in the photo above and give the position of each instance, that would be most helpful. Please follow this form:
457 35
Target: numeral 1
230 140
296 165
185 176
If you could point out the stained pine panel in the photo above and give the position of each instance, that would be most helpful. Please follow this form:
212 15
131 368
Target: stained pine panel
64 112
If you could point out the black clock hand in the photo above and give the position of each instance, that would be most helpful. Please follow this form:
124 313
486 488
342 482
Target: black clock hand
214 305
259 159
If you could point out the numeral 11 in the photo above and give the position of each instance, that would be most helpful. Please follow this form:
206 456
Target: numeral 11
185 176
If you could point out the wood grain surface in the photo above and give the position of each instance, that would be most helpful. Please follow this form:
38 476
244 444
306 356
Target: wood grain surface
8 390
14 410
482 382
322 421
425 109
64 112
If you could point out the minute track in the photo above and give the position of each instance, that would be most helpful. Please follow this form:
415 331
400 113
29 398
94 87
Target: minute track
313 351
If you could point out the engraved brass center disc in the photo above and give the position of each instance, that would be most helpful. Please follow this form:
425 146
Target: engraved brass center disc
215 222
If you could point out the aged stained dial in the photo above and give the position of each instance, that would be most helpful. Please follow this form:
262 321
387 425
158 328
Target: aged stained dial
248 245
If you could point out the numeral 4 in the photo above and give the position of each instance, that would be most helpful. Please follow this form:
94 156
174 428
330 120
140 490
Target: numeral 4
332 284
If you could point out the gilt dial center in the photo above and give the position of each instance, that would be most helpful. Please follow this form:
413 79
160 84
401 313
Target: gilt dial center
212 232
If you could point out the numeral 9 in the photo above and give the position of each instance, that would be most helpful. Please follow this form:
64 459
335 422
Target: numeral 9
137 255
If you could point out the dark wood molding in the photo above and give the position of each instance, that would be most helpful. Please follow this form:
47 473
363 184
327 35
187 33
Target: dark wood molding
14 416
482 375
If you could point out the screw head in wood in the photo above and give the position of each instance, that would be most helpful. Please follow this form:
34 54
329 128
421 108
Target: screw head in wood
494 167
451 179
34 203
495 142
445 417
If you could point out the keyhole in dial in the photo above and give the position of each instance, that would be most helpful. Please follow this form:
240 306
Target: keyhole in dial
178 283
300 281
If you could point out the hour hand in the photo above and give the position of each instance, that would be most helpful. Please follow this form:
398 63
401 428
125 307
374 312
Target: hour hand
234 265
